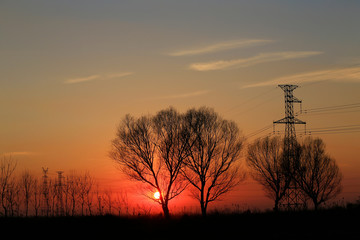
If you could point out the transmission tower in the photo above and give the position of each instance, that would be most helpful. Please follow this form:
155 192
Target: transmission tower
293 198
45 192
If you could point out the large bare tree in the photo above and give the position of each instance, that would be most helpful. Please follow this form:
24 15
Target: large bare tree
212 165
152 150
265 158
318 175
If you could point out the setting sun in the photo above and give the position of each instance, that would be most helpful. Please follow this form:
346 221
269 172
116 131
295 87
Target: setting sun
156 195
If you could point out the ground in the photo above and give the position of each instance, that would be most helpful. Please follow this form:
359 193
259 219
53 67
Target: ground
342 223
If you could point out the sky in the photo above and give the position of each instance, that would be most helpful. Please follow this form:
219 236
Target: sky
71 70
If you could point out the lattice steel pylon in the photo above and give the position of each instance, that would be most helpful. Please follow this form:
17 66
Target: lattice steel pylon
293 198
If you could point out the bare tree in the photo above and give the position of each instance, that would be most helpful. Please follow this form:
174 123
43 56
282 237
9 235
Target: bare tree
88 191
121 203
7 168
152 150
27 187
265 158
172 146
108 200
36 197
85 185
13 197
214 146
318 175
73 182
99 200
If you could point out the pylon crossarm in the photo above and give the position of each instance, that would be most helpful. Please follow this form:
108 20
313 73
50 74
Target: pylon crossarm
283 120
298 121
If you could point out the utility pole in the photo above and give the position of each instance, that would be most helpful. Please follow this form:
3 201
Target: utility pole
293 198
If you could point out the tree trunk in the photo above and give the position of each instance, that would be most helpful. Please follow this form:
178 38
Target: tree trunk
203 204
203 209
5 211
165 209
316 204
276 206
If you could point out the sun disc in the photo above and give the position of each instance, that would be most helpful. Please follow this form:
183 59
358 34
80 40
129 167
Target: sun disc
156 195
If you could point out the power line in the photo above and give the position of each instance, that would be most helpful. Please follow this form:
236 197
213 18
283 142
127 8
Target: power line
337 127
236 110
340 132
332 108
330 113
252 98
337 106
328 110
335 130
257 132
330 130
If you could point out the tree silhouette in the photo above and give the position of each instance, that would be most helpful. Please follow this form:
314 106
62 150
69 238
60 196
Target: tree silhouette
214 152
152 150
318 175
7 184
27 186
266 160
314 172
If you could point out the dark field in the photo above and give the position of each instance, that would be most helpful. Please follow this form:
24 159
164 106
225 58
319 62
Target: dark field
337 223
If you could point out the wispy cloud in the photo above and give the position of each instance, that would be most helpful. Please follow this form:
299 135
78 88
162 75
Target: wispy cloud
186 95
246 62
96 77
118 75
81 79
351 74
20 153
221 46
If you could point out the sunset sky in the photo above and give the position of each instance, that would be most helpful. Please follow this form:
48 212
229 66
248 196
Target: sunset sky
71 70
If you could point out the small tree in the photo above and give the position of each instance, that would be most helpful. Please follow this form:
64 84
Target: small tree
212 165
265 158
152 150
7 168
86 182
318 175
36 196
27 186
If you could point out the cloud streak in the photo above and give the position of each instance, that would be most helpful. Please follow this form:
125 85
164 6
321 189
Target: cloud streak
221 46
21 153
247 62
96 77
81 79
186 95
351 74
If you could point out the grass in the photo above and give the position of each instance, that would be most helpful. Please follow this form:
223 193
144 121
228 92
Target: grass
332 223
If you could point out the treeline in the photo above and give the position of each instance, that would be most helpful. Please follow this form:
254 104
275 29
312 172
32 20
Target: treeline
199 150
169 152
75 194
